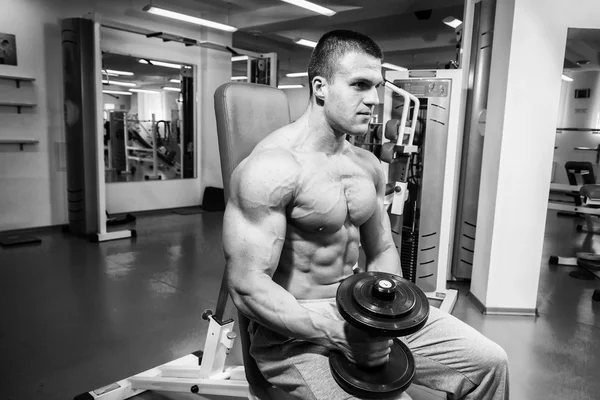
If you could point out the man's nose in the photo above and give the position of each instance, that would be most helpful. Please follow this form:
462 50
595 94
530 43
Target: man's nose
372 97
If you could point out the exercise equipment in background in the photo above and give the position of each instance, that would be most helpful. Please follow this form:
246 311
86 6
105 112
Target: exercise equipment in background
429 170
583 192
589 267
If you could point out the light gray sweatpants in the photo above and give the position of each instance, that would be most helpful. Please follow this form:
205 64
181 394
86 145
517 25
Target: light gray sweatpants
450 356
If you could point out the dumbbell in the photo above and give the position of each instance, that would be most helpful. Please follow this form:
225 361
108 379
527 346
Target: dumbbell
384 305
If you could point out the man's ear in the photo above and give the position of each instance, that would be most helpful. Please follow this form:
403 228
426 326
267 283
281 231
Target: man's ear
319 85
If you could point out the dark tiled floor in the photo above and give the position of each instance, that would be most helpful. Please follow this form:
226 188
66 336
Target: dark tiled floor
78 315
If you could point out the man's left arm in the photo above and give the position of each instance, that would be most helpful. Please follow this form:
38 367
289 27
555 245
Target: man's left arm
376 235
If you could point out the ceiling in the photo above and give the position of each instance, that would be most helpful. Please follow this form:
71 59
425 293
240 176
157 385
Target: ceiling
583 50
410 32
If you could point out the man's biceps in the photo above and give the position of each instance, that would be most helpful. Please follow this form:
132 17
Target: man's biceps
259 229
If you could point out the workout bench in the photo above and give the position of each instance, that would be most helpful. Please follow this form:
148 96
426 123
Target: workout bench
588 198
246 113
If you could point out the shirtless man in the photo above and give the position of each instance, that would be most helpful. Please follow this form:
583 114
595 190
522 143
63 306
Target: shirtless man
299 207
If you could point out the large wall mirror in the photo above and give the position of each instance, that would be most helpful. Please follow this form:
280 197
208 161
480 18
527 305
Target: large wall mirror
578 123
149 119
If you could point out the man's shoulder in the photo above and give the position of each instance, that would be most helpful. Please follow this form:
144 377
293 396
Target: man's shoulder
268 173
269 159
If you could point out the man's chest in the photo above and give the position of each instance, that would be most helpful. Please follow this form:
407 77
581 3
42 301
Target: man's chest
330 195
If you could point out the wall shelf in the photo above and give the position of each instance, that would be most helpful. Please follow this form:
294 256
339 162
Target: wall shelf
17 79
18 104
20 142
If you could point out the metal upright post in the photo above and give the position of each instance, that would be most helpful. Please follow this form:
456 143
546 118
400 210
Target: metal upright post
126 139
154 146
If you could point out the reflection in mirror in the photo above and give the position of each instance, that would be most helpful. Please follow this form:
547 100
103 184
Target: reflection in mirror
578 123
239 68
148 110
574 186
251 69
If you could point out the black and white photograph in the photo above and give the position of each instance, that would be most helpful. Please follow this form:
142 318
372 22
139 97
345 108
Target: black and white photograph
8 49
300 199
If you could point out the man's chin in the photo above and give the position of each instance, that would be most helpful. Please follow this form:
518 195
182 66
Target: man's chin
357 132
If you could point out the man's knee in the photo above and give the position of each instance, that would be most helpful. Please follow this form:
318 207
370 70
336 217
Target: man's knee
494 357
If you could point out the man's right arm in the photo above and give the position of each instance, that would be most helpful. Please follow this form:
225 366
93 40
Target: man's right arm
253 235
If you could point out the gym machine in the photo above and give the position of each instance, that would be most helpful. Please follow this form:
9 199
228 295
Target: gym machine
589 267
260 68
585 201
83 129
429 171
588 197
206 372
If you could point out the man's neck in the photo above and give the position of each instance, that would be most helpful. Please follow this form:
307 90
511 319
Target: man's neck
318 135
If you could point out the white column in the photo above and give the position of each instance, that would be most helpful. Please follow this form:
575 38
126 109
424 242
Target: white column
525 85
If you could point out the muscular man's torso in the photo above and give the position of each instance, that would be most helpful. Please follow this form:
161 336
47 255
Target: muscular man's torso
333 196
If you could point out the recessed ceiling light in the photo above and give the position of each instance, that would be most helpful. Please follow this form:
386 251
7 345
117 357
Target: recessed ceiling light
144 91
566 78
188 18
115 72
296 74
290 86
117 92
312 7
452 22
305 42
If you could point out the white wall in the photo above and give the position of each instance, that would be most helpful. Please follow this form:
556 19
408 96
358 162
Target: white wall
583 113
519 145
33 186
121 103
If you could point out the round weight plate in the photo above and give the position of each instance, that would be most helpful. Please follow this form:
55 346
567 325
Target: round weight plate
400 305
388 380
404 315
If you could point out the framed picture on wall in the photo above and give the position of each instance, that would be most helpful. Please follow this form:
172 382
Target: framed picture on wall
8 49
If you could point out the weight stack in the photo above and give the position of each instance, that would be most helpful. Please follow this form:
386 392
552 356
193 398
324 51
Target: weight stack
409 254
81 122
118 124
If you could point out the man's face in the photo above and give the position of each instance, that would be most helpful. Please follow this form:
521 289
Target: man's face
352 93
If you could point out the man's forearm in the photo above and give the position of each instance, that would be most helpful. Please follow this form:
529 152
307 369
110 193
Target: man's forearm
386 261
272 306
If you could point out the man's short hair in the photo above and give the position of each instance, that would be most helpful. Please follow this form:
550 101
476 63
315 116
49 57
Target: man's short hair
332 47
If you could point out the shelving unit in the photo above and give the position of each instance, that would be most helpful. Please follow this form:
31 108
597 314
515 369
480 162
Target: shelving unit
17 79
19 105
20 142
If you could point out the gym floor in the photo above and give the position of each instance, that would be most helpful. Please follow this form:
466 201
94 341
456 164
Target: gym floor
77 315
